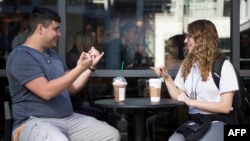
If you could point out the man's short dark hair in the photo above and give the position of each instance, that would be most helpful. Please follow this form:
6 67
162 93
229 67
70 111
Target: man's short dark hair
42 16
127 27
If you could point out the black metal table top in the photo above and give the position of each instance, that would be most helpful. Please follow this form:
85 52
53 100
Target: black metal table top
138 103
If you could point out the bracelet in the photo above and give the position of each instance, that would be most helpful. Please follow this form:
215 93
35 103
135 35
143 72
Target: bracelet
91 68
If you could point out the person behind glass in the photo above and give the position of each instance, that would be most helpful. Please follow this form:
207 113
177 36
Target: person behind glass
23 31
194 84
40 87
244 50
174 48
119 50
244 44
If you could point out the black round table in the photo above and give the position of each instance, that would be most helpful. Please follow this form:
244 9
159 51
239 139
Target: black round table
139 105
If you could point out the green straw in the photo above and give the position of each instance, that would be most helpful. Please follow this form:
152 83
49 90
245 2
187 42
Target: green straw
121 73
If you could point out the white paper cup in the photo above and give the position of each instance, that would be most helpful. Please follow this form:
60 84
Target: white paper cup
155 89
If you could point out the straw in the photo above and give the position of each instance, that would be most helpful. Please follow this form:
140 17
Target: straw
121 72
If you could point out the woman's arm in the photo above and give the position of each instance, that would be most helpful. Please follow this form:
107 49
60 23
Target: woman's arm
223 106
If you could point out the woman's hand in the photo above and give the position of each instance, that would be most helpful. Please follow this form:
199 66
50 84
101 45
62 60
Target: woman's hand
173 90
161 71
183 97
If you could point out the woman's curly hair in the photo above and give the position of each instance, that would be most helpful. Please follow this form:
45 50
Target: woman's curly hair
206 49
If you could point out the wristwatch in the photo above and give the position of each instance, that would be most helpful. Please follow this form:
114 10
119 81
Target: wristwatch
91 68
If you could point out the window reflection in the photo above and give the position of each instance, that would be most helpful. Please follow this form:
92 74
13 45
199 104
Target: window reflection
245 49
25 2
175 51
13 23
244 35
49 2
156 21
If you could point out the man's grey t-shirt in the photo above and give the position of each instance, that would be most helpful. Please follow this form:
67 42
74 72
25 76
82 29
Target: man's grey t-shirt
25 64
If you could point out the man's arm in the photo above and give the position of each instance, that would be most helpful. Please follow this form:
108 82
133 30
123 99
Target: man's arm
49 89
81 81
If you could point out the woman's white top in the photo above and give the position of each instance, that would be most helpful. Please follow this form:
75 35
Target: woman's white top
207 90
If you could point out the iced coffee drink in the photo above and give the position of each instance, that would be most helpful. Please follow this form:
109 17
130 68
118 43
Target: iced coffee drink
119 86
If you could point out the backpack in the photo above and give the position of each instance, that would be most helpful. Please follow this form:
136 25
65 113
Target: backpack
241 100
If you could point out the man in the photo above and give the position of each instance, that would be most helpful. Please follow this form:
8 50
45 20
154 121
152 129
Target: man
40 87
119 50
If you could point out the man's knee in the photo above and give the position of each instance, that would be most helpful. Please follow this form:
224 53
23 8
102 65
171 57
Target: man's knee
114 135
35 130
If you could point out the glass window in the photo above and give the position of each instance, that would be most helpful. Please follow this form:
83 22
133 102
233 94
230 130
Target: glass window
49 2
25 2
156 22
13 23
244 34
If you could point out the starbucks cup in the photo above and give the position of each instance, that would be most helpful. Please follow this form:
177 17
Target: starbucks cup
155 89
119 86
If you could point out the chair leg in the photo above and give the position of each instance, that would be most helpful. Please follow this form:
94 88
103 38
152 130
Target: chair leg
154 132
8 122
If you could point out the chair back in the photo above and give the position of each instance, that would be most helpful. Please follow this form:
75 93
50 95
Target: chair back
8 121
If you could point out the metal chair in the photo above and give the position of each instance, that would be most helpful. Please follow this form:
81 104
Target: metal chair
8 121
141 85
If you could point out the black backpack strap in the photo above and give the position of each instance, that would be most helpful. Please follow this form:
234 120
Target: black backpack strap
216 70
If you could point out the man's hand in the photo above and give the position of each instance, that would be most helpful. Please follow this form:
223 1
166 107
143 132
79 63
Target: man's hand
84 61
96 56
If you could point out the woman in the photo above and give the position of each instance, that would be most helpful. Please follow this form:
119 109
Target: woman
194 84
174 48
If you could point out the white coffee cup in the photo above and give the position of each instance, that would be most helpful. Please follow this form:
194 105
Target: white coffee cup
155 89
